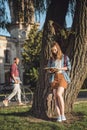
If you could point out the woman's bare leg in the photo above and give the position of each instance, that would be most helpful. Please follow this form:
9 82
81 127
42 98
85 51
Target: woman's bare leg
60 99
56 102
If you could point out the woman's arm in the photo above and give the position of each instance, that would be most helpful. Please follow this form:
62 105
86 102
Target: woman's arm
64 68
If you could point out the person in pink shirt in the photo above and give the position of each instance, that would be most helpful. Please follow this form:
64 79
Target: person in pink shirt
15 79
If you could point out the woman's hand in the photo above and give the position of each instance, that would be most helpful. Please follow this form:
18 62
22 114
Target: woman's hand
53 70
63 68
16 81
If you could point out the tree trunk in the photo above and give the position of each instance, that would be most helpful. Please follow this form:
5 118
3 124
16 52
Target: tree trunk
78 54
43 103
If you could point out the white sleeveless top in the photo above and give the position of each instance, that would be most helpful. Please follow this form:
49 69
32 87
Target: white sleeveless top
58 64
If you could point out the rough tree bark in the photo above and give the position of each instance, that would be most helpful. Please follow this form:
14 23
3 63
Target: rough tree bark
78 53
43 104
41 99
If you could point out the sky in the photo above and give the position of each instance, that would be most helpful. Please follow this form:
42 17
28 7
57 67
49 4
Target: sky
6 18
3 31
68 20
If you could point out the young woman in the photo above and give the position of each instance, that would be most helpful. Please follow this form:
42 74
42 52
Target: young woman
59 79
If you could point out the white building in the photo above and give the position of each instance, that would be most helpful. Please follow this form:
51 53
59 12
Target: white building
19 28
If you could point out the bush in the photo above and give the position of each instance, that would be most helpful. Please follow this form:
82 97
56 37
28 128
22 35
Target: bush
31 56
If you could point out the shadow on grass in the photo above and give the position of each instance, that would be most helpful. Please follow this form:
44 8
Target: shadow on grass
71 117
28 113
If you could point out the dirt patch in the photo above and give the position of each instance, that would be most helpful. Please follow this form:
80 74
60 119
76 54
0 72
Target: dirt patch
71 118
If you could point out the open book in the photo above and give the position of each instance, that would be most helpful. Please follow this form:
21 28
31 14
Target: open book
51 69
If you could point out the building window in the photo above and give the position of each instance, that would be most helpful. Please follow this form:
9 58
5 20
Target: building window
7 56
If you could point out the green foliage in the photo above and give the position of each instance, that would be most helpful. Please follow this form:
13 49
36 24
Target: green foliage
31 55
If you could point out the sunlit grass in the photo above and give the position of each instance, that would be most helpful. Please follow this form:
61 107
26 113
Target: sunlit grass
18 118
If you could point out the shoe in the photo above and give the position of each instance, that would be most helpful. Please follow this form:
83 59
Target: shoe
63 118
5 102
20 104
59 119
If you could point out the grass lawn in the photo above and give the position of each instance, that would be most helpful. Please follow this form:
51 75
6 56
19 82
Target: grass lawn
17 118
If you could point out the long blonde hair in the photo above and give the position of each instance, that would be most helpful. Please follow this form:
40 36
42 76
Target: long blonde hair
59 53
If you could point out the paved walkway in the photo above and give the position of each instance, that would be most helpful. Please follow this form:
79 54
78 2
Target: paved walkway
82 97
81 100
14 103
